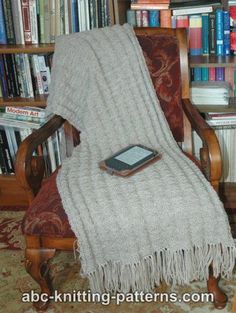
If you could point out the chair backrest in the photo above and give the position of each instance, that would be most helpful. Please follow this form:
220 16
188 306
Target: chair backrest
166 55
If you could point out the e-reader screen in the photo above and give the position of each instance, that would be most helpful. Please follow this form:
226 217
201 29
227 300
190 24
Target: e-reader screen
133 155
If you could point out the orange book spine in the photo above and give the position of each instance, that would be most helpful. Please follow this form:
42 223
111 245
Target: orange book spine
165 18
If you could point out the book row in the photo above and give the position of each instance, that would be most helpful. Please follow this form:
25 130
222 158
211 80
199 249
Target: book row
211 74
212 33
40 21
16 125
24 75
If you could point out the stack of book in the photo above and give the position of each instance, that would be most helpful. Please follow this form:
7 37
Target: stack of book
221 118
210 93
16 124
151 13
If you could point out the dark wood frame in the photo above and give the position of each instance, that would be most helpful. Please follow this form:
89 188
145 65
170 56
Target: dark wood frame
30 171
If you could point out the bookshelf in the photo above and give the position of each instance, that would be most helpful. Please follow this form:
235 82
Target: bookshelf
10 192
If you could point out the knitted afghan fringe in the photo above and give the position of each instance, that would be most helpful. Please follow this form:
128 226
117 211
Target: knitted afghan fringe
173 267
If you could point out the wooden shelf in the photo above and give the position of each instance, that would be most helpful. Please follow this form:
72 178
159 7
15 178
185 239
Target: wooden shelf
215 108
212 61
36 49
38 101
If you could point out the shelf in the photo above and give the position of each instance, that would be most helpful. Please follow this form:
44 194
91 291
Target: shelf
38 101
215 108
36 49
212 61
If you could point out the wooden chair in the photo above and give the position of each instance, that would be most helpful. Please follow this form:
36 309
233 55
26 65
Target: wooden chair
45 225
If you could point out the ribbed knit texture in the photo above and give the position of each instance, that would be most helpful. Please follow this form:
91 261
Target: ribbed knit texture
165 222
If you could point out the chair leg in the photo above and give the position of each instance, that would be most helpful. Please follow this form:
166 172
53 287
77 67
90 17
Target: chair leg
220 298
36 264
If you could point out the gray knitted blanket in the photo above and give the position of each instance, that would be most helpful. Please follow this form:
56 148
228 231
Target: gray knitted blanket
165 222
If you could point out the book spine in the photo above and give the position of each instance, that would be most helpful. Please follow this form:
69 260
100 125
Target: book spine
58 18
154 18
205 34
205 73
74 16
212 34
219 32
212 74
9 21
41 21
52 20
3 34
7 75
37 75
220 73
66 18
19 75
17 111
18 21
182 21
47 21
3 81
197 74
26 21
138 14
145 18
33 21
226 29
195 35
165 18
130 16
6 152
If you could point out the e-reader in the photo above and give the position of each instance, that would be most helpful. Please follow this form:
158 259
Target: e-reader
129 160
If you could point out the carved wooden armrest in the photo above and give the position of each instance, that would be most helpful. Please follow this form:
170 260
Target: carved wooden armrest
29 169
210 154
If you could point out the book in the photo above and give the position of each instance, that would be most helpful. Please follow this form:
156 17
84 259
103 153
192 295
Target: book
212 33
33 21
6 152
205 34
192 10
219 32
131 18
26 21
220 73
3 34
149 6
18 21
24 111
193 3
7 10
195 35
226 33
165 18
154 18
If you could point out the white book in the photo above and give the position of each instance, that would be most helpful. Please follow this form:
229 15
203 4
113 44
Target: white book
87 17
10 144
58 18
47 21
193 10
51 154
52 20
45 74
37 74
18 21
33 21
81 15
221 122
66 18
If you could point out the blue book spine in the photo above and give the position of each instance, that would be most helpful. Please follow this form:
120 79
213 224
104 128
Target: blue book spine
154 19
219 32
205 73
220 73
74 17
3 34
205 34
197 74
226 39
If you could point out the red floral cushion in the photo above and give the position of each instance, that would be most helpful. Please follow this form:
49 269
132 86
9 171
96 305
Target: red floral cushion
46 216
161 53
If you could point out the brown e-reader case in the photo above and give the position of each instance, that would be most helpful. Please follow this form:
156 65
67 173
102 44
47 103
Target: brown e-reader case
129 160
